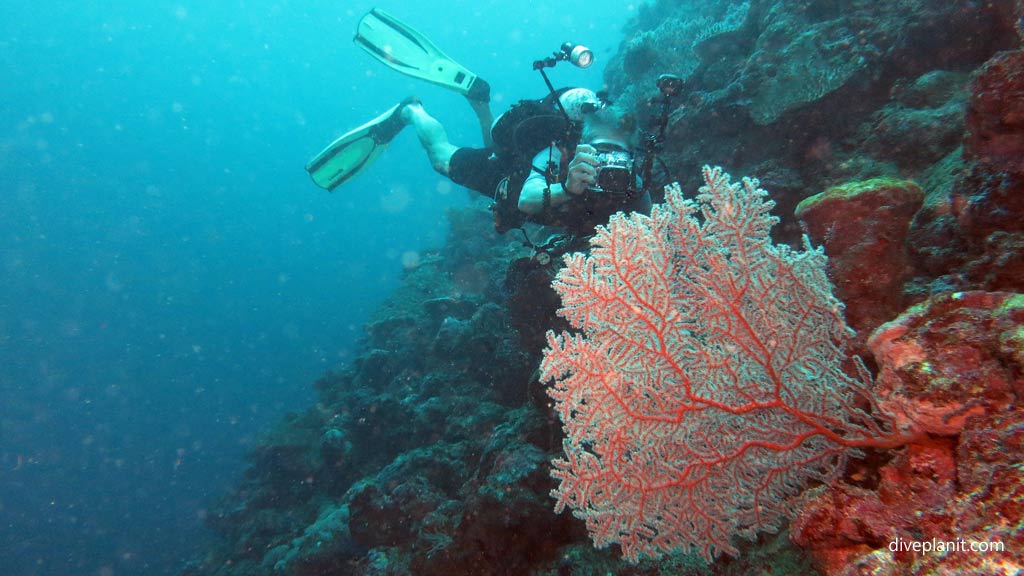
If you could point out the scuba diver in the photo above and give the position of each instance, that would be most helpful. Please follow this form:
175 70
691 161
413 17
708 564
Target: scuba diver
543 160
568 160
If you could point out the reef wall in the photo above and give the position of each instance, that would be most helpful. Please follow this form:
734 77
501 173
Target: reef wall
898 125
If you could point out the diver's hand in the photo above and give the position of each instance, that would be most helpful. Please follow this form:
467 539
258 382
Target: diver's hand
582 170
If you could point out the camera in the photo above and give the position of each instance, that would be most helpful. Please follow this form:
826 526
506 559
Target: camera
614 173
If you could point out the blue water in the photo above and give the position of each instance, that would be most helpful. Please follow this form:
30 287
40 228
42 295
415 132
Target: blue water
170 280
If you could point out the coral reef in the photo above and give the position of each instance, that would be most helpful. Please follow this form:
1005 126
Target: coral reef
707 381
969 234
416 455
995 116
863 227
429 453
807 94
954 365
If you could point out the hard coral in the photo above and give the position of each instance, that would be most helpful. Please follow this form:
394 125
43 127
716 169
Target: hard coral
863 227
842 525
943 360
995 113
955 364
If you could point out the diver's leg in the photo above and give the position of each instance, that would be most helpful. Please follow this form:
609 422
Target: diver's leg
432 135
485 118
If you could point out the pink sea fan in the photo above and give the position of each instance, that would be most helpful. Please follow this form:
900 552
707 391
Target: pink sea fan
706 382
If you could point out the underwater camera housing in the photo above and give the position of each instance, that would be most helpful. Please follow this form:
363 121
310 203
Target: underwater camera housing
619 172
615 173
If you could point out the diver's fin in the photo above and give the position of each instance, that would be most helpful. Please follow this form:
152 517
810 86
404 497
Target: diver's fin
404 49
355 150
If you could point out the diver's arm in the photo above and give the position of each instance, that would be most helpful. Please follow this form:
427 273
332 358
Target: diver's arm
531 198
582 174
